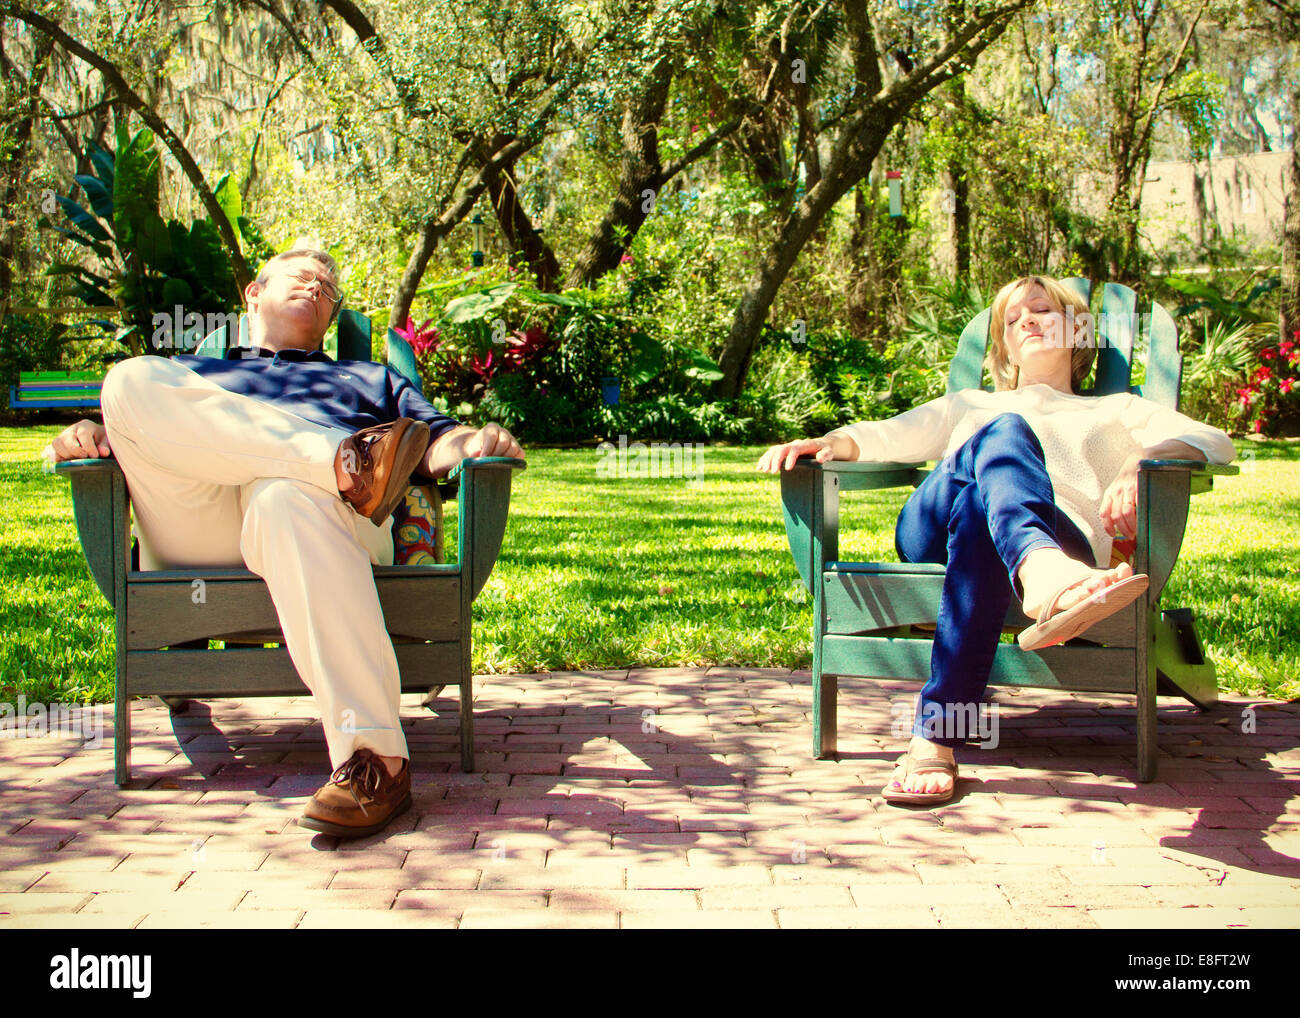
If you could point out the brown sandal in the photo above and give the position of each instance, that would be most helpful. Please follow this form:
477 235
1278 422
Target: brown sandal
925 765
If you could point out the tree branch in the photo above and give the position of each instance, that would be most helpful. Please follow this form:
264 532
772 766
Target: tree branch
174 144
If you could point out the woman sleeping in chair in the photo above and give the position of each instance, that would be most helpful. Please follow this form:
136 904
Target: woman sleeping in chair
1034 485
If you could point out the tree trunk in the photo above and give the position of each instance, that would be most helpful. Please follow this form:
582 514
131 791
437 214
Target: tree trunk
855 152
958 212
13 168
517 227
439 225
639 184
1289 311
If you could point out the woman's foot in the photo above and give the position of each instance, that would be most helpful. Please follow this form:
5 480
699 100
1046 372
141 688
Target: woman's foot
925 775
1044 570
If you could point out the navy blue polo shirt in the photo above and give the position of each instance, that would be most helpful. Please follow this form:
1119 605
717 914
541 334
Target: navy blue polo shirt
350 395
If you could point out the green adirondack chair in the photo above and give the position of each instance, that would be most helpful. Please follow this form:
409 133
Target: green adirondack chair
162 638
870 619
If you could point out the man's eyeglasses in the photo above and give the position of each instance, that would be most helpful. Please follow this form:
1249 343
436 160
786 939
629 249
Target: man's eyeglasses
328 290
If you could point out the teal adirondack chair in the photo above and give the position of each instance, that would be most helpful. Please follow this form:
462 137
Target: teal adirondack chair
870 619
162 637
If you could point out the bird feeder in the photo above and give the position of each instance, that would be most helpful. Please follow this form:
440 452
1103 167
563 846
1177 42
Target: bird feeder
476 226
895 178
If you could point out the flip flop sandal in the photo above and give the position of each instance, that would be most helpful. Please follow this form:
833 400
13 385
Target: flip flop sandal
913 766
1051 630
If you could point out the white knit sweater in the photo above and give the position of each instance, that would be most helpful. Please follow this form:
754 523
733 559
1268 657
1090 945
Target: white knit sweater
1085 440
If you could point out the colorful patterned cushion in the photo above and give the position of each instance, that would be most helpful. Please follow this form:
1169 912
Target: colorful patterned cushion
1121 550
416 538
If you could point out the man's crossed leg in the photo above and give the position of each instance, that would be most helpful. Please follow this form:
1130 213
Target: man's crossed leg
221 479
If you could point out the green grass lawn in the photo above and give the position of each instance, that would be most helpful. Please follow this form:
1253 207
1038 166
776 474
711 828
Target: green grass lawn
606 572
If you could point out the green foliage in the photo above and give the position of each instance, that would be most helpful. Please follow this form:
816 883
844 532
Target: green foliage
144 264
1224 309
659 572
28 343
1224 336
1216 364
783 397
538 360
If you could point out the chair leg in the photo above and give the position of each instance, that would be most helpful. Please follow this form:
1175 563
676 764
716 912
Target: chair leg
122 738
1146 720
1181 660
825 716
467 722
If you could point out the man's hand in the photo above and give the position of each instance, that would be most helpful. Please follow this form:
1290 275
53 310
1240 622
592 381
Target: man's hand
84 440
492 440
465 443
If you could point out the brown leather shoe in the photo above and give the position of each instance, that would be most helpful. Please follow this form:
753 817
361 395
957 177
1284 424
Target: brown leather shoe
359 798
380 460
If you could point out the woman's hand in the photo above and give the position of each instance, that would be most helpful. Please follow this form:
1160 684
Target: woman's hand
1119 503
780 456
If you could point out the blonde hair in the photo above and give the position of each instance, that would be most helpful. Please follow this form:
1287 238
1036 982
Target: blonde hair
1066 300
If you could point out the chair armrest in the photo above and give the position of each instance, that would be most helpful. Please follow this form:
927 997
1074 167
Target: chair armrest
1201 473
1165 488
105 465
810 504
1195 466
482 510
474 463
854 476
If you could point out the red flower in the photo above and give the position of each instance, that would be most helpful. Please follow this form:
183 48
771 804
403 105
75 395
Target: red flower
1268 355
1259 425
1287 384
1263 374
625 259
422 339
1285 347
523 345
484 367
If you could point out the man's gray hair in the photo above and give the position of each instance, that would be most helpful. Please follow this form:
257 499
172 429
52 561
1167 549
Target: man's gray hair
302 252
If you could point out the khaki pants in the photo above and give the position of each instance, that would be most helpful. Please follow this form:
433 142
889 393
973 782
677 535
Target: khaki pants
219 479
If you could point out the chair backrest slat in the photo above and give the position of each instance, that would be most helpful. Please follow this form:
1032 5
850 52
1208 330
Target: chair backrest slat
401 358
1117 331
353 338
1164 380
967 368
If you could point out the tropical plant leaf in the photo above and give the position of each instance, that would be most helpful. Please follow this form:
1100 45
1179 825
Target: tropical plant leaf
82 219
647 359
476 306
79 272
135 190
227 195
102 248
102 161
702 367
100 198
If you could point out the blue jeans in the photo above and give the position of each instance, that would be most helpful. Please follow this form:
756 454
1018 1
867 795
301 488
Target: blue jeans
980 512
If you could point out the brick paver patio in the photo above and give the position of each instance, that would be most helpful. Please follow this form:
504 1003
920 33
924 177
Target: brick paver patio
652 798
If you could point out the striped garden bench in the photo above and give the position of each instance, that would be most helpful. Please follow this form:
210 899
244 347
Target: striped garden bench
37 390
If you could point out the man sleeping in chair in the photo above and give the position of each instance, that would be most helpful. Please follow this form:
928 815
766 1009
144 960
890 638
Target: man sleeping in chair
282 460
